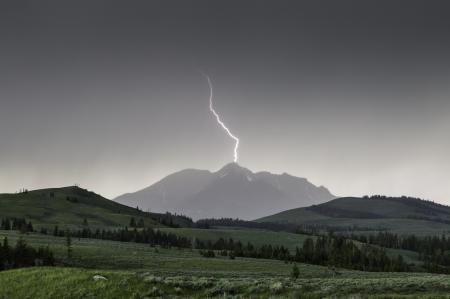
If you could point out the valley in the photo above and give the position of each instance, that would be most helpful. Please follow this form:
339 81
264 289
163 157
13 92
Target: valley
136 268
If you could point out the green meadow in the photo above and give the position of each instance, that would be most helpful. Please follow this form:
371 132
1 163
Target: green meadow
141 271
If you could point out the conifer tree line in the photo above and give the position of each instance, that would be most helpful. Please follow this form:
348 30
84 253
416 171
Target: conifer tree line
16 224
235 222
166 219
335 251
305 229
144 235
434 251
416 202
23 255
330 250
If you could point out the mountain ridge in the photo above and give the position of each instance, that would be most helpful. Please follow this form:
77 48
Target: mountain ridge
232 191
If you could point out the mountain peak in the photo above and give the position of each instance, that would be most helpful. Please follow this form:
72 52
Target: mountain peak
232 191
233 167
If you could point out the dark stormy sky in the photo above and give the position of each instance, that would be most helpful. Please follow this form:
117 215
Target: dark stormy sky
353 95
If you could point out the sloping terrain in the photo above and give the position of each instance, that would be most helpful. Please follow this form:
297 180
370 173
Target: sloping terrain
399 214
233 191
69 207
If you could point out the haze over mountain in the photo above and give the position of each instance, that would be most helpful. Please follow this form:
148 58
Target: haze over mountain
233 191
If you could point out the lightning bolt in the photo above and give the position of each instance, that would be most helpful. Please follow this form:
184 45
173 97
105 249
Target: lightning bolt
211 108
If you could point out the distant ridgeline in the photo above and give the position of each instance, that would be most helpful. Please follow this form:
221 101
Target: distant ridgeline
404 215
204 194
417 205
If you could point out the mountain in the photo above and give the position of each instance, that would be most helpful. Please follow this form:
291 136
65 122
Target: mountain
69 207
397 214
233 191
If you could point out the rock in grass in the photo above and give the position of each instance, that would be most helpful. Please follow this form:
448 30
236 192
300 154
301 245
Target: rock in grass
99 277
276 287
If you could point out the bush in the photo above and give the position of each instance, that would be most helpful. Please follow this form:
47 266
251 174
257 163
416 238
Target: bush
295 273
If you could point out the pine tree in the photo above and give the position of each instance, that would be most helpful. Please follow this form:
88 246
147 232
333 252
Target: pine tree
30 227
295 273
68 244
141 223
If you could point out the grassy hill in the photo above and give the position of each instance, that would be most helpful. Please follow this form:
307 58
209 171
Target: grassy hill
397 214
68 207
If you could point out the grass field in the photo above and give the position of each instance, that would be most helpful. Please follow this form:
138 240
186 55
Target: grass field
103 254
261 237
121 255
80 283
140 271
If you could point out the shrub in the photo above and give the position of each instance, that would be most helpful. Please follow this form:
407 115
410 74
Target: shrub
155 292
295 273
